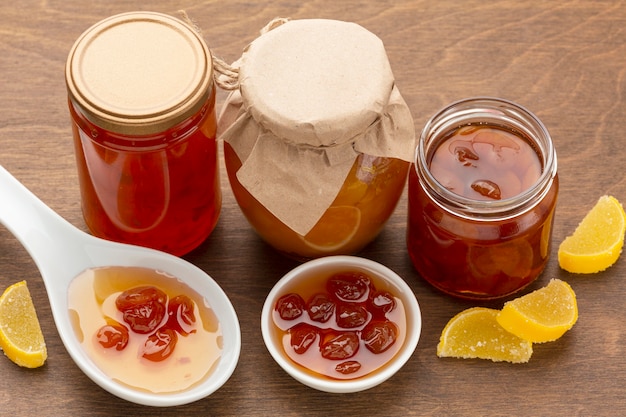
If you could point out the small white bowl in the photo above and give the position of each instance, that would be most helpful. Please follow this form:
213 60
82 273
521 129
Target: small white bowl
327 266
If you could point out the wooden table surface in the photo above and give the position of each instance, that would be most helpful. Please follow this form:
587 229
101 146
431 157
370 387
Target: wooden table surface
565 61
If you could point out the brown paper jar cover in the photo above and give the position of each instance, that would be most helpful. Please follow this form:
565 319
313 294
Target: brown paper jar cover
313 95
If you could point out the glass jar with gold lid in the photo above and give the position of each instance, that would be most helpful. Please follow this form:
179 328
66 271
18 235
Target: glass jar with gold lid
317 138
142 101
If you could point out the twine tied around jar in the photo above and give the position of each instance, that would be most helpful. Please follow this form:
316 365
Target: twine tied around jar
226 76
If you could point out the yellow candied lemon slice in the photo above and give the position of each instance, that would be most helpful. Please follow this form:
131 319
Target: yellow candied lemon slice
21 338
543 315
597 242
335 228
475 333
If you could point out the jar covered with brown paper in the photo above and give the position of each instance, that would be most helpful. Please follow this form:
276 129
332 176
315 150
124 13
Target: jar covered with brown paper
317 138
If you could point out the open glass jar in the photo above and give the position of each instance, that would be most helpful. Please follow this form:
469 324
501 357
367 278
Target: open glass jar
142 101
317 138
482 195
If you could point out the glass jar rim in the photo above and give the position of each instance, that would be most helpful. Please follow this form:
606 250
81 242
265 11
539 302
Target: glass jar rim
490 111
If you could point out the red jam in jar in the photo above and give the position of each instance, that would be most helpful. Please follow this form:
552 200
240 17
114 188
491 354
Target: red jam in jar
142 102
482 194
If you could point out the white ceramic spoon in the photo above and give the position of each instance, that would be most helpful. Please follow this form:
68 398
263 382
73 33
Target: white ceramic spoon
61 252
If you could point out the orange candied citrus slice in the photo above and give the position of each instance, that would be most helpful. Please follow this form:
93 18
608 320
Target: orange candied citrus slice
475 333
335 228
21 338
543 315
597 242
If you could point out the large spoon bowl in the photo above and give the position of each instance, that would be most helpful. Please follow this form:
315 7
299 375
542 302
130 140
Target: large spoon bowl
62 251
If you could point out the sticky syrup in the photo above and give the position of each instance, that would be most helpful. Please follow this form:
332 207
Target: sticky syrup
485 163
364 361
91 302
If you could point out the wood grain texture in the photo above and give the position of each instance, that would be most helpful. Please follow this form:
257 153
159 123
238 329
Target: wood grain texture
565 61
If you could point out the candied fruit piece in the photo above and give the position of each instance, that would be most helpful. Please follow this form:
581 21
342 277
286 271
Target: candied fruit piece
143 308
350 316
181 316
21 338
320 308
378 336
598 240
302 337
349 286
543 315
113 336
464 153
290 306
160 345
381 303
342 346
476 333
487 188
348 367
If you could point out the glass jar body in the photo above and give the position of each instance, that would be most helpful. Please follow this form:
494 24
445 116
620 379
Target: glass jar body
363 205
481 249
160 190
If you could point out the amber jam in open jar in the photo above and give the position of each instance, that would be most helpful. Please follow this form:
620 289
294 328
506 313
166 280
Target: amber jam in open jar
142 101
482 195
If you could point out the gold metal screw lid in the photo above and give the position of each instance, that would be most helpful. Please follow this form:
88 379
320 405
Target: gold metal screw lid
139 73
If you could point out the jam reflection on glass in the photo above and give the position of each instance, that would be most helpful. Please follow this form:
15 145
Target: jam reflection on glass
160 191
489 257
